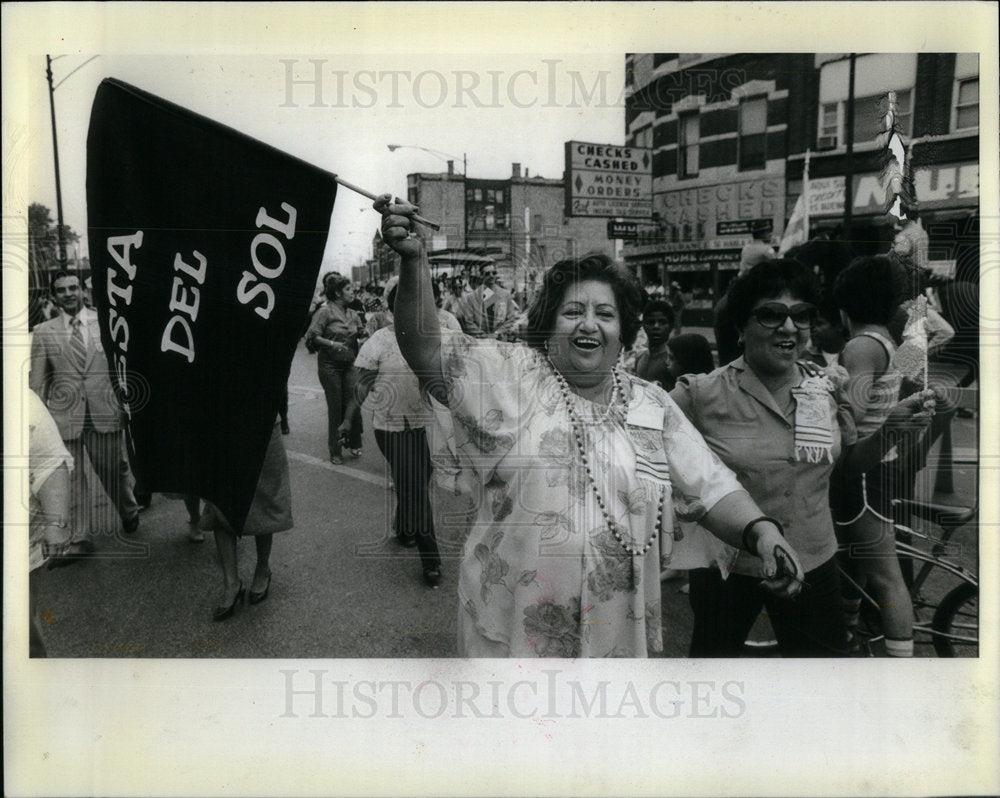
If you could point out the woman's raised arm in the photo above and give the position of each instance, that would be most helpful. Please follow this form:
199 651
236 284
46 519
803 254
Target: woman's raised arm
418 332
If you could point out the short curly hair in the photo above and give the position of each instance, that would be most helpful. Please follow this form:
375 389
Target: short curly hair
767 280
659 306
334 284
868 290
592 266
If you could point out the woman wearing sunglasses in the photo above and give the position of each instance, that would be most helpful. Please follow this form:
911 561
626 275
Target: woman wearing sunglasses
779 425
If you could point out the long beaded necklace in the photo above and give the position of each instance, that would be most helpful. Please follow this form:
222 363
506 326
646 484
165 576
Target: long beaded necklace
576 423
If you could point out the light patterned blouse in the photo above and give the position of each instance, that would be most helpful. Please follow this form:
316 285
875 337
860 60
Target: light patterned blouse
46 453
542 574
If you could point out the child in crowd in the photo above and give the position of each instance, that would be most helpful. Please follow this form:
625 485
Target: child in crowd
689 353
828 336
654 364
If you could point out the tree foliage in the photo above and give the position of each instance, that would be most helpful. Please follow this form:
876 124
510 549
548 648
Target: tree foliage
43 239
43 257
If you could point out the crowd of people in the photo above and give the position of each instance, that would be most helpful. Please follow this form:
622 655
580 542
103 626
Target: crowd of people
603 448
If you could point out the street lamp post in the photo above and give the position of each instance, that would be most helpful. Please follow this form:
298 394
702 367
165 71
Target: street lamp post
849 157
61 231
446 156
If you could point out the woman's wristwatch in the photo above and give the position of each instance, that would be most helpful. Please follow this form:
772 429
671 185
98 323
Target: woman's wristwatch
751 525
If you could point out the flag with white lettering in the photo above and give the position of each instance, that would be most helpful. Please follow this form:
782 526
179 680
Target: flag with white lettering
205 246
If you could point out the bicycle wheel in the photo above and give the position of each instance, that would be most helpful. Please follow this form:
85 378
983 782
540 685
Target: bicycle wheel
956 623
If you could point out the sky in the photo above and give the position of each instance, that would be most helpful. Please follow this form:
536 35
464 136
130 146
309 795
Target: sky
494 109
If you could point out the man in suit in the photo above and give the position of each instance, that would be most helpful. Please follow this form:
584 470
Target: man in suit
489 308
69 371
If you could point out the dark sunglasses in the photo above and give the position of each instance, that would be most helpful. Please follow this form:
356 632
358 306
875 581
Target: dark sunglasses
773 314
488 274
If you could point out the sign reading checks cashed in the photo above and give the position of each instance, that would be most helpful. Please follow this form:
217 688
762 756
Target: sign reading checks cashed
608 180
205 246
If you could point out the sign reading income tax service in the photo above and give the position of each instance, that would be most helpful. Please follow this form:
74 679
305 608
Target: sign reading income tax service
608 180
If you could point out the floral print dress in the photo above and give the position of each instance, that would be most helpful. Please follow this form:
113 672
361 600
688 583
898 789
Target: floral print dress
541 573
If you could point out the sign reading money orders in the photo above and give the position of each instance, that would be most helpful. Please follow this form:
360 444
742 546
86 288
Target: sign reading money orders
205 247
608 180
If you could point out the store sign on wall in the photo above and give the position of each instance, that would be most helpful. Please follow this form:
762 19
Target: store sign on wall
608 180
744 227
728 207
701 260
632 231
944 186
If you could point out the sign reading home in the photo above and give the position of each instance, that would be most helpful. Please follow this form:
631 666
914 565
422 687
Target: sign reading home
608 180
205 246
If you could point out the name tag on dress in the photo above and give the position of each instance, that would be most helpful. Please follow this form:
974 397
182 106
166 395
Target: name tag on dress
645 414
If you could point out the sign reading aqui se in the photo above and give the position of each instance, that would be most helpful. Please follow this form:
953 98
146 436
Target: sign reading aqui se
608 180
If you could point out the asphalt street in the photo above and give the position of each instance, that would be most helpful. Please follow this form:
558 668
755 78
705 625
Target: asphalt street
341 586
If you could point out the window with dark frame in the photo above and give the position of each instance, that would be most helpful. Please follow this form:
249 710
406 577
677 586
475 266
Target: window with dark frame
487 209
829 126
869 113
753 132
687 145
967 103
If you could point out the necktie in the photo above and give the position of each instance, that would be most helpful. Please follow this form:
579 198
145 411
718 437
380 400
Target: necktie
77 346
489 318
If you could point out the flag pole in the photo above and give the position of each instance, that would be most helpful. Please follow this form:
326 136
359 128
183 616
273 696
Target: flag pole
805 191
357 189
912 192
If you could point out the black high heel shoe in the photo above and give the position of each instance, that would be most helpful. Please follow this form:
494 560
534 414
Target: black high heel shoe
255 597
221 613
432 577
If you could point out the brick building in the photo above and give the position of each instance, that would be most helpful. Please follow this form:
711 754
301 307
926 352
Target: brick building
719 128
519 223
938 106
730 133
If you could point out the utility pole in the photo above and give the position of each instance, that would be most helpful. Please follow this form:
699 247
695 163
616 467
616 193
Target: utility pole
849 160
55 150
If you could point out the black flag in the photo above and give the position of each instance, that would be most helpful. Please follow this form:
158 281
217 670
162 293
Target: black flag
205 246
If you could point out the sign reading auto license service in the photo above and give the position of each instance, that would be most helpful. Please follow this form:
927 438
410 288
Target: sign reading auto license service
608 180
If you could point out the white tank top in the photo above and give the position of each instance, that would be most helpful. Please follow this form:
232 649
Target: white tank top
884 393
